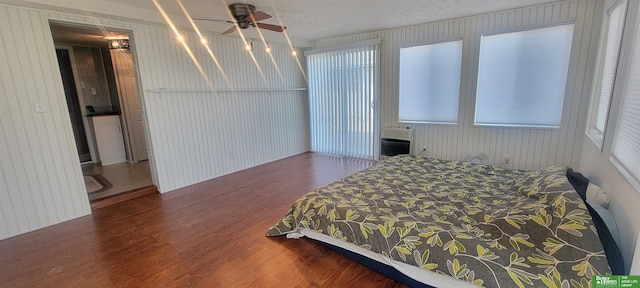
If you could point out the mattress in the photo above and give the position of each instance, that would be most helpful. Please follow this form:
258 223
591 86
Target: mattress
447 223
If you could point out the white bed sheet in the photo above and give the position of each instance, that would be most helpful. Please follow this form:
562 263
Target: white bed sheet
424 276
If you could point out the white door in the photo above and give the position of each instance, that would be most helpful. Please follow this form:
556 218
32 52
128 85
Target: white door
132 113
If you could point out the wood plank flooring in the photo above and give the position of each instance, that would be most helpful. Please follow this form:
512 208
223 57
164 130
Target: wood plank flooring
210 234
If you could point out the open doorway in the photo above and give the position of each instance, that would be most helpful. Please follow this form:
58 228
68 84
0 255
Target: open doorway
73 103
99 79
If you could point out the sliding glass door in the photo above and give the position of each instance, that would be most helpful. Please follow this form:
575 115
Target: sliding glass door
343 90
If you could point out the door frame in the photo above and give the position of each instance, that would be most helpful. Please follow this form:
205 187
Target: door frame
130 33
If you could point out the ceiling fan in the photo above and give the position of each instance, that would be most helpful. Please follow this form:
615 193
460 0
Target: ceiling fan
246 16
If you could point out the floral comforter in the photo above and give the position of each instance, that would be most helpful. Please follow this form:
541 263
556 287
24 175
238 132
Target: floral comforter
486 225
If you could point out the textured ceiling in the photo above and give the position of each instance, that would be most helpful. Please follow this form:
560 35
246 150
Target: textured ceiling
320 19
306 20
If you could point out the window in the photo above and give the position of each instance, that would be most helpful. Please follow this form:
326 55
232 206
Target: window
626 143
430 83
522 77
614 25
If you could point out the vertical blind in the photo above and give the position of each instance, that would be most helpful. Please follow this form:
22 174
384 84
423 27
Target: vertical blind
615 27
342 91
626 144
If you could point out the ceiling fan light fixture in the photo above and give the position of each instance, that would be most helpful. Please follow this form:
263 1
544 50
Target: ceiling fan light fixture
118 44
244 16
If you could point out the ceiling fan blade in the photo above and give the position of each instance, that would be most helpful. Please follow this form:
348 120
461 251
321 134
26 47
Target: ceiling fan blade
214 20
259 15
271 27
230 30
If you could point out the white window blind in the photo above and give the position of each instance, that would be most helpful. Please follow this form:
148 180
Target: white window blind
342 91
626 143
430 82
615 27
522 77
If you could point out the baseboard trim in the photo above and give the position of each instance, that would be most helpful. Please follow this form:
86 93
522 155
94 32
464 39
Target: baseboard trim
125 196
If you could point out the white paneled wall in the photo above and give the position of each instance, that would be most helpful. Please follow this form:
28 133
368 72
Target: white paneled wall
528 148
193 134
204 135
40 179
258 116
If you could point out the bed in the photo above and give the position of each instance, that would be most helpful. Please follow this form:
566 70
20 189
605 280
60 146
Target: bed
455 224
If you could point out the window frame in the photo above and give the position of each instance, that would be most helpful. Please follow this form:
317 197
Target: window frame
593 133
460 82
631 52
566 96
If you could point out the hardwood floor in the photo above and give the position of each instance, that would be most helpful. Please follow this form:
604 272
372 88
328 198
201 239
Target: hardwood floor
207 235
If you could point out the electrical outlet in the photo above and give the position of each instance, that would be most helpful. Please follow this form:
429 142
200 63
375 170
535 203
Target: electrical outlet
506 161
40 107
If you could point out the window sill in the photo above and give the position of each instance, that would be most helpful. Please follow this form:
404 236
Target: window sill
428 122
549 127
625 173
597 138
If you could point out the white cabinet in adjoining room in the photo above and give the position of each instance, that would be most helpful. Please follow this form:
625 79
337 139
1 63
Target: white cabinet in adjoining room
108 134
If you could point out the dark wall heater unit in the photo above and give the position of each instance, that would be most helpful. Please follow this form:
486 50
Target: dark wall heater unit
395 141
